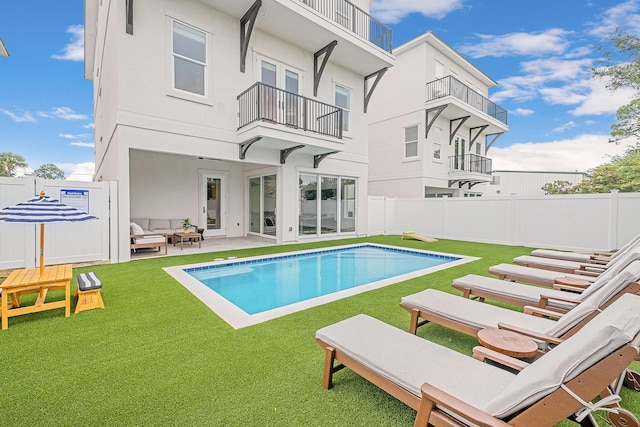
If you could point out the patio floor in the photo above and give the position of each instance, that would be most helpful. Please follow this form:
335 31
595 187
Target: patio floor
209 244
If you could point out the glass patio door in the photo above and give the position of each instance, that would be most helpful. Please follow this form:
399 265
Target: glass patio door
213 195
280 106
262 205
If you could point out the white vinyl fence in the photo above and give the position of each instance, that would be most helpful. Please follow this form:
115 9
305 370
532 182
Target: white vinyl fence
72 242
572 222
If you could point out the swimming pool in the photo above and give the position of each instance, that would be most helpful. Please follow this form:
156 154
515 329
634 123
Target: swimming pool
251 290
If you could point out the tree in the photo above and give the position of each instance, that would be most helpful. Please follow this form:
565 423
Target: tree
10 162
621 173
622 70
49 171
557 187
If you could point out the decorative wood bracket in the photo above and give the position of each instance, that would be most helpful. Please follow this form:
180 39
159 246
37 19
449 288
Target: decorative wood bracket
320 157
472 138
317 73
129 17
285 153
244 146
369 91
430 123
245 33
495 137
452 132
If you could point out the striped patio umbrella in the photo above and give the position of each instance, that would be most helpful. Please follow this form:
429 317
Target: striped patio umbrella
42 209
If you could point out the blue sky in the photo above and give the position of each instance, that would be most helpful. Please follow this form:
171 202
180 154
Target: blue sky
540 54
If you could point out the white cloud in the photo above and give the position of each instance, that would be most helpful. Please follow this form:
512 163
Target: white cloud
74 51
624 16
552 41
69 136
82 144
569 125
78 171
21 117
522 112
599 100
393 11
580 154
64 113
89 126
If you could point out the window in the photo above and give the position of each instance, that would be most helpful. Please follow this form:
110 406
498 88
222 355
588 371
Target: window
189 56
478 149
327 205
437 139
411 142
343 100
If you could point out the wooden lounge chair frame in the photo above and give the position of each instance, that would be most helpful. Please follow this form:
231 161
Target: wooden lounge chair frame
551 409
158 245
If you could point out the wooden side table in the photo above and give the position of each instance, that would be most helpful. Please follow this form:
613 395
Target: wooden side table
571 281
187 236
508 343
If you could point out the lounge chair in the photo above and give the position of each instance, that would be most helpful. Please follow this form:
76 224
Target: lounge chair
448 388
475 286
470 316
561 265
536 276
597 257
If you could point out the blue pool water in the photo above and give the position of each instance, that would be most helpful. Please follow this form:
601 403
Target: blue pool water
259 285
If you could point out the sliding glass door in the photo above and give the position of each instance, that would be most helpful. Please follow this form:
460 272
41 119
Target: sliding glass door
262 205
327 205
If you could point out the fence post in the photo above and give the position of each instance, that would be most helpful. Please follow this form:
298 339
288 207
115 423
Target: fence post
613 219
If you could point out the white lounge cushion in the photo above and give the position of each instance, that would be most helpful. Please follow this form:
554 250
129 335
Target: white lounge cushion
135 228
409 361
529 294
569 256
521 273
175 224
547 262
148 239
613 328
473 313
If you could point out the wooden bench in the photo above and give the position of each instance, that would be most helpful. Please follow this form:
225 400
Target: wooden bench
88 292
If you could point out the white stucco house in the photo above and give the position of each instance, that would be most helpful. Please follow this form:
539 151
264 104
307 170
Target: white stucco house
431 124
247 116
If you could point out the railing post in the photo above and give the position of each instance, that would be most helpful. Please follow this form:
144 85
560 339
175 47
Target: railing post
304 112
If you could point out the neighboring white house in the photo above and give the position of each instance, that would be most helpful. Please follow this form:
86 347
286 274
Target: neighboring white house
246 116
431 124
528 183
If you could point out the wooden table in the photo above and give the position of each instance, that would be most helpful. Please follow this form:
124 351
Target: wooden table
25 281
572 281
187 236
508 342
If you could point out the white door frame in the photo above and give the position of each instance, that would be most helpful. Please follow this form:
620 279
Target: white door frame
203 175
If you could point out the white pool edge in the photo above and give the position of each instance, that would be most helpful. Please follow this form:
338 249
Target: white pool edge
238 319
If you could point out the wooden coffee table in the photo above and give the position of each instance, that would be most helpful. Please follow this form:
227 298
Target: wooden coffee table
508 343
187 236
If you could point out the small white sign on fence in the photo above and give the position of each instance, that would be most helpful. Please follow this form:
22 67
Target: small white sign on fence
78 199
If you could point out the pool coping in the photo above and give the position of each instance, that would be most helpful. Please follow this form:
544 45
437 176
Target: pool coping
237 318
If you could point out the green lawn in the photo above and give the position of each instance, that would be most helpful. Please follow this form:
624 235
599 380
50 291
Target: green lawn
157 356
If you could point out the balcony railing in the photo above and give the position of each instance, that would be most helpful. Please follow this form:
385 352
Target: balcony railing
450 86
273 105
471 163
353 18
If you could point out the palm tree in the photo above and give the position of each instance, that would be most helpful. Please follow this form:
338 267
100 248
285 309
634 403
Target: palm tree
9 162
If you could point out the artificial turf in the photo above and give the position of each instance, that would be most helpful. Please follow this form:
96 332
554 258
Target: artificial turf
158 356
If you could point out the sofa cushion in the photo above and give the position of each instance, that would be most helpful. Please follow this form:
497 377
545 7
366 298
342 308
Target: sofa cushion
142 222
159 224
176 224
135 228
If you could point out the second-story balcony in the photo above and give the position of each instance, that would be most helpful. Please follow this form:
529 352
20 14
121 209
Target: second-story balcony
262 102
450 87
469 169
288 122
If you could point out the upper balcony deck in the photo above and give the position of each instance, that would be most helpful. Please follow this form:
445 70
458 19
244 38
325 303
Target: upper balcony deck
363 43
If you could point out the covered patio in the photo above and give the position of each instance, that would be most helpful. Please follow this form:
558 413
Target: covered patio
209 244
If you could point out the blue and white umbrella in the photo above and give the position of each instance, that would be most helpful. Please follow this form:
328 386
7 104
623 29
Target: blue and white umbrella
42 209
